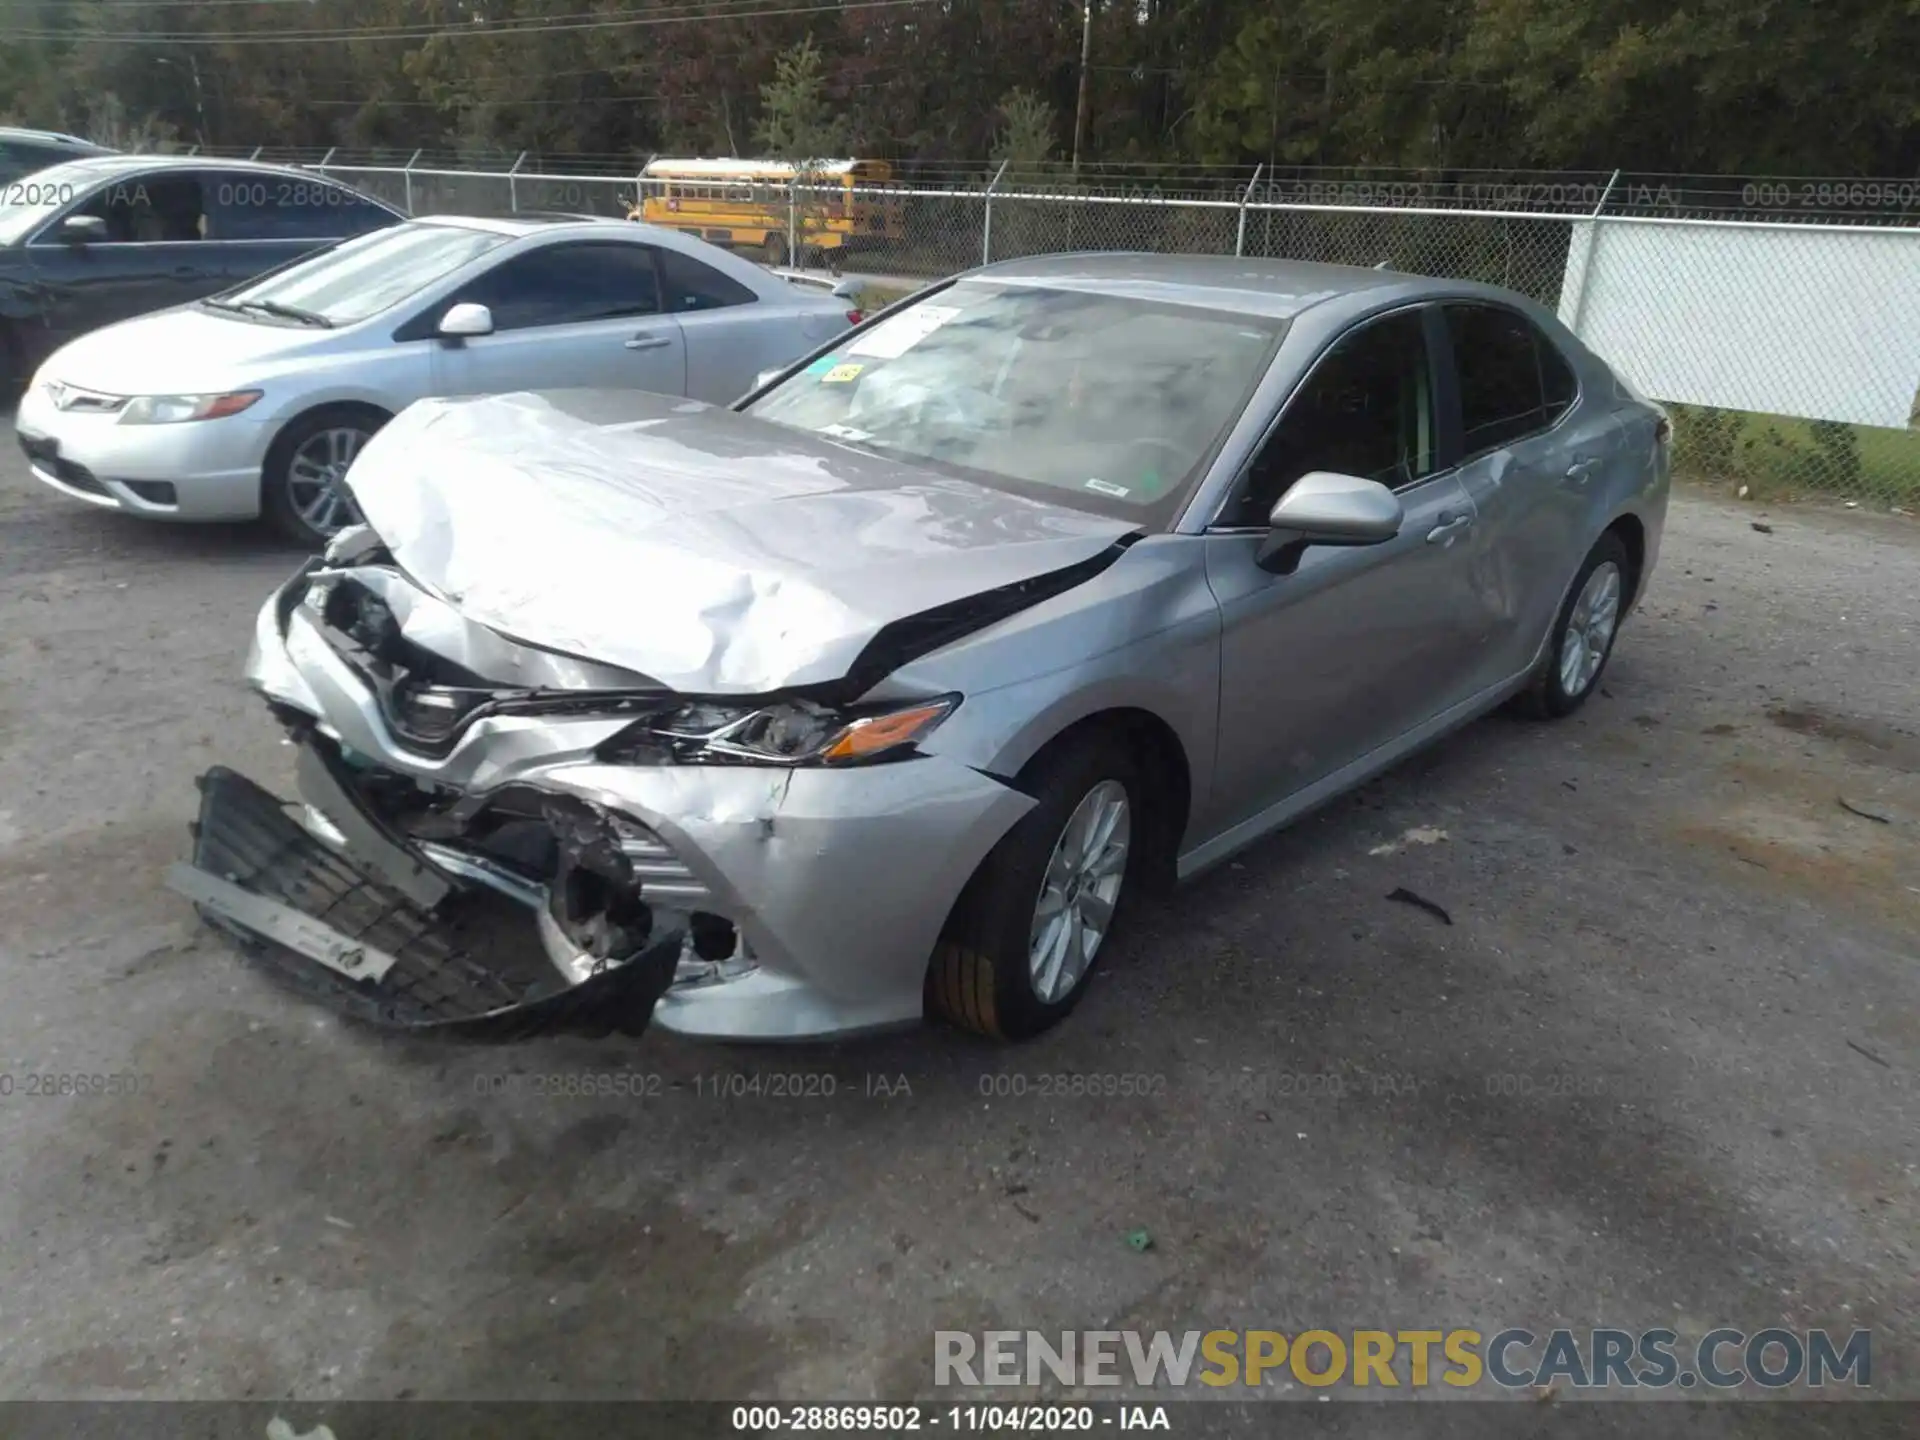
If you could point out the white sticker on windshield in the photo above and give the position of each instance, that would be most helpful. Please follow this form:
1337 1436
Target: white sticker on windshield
1107 487
893 338
845 432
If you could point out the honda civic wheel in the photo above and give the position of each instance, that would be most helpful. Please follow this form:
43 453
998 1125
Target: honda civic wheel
304 491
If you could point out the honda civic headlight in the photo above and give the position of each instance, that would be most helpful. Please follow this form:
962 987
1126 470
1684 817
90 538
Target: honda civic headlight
172 409
786 732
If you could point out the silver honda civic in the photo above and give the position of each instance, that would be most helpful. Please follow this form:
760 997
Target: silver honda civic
887 690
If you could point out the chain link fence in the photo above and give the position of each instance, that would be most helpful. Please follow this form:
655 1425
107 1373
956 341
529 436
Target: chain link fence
1780 320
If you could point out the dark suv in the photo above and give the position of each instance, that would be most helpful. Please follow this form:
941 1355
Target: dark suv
98 240
24 151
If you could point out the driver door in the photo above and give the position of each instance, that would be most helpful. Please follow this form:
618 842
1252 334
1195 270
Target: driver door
582 314
1360 645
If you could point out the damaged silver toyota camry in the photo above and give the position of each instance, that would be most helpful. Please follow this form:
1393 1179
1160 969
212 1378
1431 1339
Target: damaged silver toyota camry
886 690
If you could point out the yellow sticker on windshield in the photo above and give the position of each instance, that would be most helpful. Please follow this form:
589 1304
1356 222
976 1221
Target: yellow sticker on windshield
840 374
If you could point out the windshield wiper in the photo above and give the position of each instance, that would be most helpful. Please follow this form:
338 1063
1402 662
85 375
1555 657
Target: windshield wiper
285 312
216 303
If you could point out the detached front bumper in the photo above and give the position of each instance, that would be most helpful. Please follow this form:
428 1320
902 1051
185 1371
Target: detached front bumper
834 883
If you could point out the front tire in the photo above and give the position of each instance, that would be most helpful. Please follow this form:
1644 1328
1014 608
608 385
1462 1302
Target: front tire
1030 926
302 494
1583 633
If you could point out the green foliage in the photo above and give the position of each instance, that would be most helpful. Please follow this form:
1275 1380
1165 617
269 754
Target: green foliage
1025 137
798 122
1717 86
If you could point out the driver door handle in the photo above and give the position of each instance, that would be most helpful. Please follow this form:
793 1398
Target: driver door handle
1451 523
1580 469
646 340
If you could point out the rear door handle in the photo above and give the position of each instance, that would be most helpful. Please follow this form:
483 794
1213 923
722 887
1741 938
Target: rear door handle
644 341
1579 470
1450 524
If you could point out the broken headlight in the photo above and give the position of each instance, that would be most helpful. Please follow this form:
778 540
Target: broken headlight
785 732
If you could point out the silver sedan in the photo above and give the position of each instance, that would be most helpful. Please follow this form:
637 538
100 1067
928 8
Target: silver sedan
886 690
256 401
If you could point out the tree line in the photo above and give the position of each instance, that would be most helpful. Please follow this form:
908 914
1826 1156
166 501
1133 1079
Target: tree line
1730 87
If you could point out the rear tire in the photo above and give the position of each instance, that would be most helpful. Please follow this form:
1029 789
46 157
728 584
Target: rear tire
1013 960
297 470
1583 634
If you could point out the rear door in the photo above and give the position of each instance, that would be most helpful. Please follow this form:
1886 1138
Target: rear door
572 314
156 253
731 333
1530 458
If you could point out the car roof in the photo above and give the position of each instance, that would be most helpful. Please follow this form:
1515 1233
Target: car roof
547 222
106 166
1277 289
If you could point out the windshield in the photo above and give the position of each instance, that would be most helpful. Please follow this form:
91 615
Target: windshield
1099 401
26 203
369 273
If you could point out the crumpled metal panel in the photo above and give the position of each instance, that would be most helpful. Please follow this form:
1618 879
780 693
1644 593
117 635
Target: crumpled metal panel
707 550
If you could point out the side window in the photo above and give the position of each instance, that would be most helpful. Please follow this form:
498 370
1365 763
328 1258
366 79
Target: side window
1556 378
691 285
568 285
272 207
1366 409
1502 397
145 209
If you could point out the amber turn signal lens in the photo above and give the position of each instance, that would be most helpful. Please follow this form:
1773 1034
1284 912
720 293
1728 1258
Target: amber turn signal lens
868 737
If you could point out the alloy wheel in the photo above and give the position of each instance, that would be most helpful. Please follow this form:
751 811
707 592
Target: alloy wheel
1078 891
1589 632
315 473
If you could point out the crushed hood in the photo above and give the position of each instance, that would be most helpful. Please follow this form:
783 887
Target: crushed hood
713 552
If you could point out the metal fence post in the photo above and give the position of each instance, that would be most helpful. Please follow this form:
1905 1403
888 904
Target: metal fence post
1240 233
1589 252
513 185
986 217
793 220
406 176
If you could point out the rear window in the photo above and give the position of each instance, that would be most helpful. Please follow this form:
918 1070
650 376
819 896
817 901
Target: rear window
691 285
1513 381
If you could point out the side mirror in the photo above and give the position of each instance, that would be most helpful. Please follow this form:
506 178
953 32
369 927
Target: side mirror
1323 508
83 229
466 319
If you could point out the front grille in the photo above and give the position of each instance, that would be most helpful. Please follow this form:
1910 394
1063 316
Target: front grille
46 454
663 876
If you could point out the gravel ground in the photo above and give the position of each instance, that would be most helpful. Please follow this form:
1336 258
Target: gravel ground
1659 1069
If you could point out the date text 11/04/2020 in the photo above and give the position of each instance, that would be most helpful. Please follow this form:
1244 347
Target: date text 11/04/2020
991 1419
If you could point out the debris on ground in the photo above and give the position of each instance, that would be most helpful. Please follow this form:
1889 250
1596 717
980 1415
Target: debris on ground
1856 1045
1863 812
1420 902
1139 1240
1418 835
1763 527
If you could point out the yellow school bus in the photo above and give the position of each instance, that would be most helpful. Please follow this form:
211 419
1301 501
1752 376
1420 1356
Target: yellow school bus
750 205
